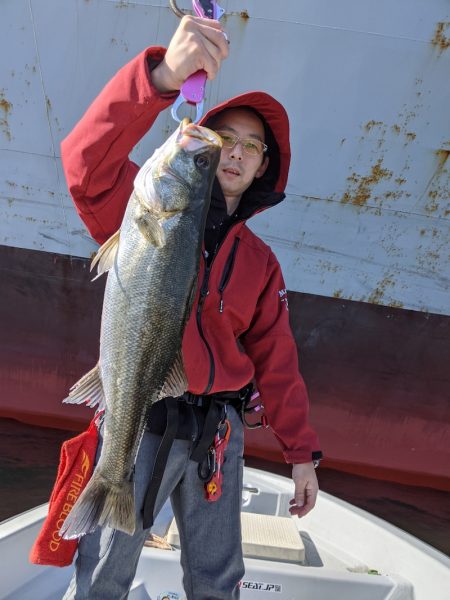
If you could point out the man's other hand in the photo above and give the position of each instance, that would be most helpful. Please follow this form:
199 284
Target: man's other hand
306 488
196 44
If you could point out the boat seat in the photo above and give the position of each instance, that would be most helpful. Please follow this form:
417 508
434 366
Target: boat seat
266 537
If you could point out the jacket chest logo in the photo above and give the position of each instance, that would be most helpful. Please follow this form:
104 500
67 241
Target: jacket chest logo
284 297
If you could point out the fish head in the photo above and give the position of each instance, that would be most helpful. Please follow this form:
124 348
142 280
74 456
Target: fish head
179 176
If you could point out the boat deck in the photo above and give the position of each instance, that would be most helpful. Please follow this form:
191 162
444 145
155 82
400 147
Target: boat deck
348 554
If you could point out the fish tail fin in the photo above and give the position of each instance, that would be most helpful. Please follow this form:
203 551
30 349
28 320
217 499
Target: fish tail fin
101 503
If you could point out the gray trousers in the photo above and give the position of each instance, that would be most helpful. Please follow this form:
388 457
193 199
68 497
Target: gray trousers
210 532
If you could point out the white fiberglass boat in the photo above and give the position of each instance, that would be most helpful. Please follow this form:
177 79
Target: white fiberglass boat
337 551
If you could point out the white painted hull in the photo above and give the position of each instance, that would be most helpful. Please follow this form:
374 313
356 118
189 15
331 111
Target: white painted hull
367 89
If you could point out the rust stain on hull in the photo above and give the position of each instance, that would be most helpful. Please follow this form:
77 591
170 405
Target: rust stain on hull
360 189
5 107
243 16
378 293
438 187
440 40
442 155
362 185
371 124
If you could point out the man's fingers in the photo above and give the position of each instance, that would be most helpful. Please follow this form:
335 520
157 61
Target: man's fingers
303 502
208 29
217 37
204 46
306 488
213 59
302 509
196 44
299 499
189 19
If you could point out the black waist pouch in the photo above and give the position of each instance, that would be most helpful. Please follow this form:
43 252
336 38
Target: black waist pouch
198 416
191 420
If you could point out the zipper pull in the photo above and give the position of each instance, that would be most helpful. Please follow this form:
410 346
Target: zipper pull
204 289
221 304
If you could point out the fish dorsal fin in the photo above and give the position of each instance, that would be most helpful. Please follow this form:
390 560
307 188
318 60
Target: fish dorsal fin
106 255
176 383
88 389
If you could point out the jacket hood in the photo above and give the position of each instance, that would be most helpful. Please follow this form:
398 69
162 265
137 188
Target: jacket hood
276 124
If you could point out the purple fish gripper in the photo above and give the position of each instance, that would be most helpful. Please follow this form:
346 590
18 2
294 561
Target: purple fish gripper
193 89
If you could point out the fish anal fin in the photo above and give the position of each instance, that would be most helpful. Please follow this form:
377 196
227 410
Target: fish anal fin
88 390
106 255
176 382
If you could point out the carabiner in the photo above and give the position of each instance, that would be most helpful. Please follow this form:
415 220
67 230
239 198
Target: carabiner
206 472
182 100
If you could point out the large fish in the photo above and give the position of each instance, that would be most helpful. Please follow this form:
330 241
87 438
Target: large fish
153 263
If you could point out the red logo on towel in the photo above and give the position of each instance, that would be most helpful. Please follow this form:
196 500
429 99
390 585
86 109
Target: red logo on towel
72 496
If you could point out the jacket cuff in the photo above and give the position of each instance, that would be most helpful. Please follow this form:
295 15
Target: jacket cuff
152 57
296 457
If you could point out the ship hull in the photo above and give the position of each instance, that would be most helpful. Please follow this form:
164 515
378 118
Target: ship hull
362 236
377 376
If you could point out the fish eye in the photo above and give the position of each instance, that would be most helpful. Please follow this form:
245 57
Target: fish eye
201 161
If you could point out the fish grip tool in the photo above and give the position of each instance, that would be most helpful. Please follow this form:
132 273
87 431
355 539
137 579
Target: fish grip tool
193 89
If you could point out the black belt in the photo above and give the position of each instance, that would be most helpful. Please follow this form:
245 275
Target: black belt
214 404
160 461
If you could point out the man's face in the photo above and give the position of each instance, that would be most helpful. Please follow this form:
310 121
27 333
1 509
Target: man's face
237 169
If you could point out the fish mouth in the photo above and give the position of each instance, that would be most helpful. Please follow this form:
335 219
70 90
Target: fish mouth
198 132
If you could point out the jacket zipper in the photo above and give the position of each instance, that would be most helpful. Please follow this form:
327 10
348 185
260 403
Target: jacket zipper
203 293
226 275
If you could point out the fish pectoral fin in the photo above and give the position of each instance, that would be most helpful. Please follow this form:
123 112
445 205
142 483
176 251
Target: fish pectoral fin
176 383
106 255
150 227
88 389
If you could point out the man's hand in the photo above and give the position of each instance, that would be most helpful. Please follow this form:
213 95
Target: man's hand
306 488
196 44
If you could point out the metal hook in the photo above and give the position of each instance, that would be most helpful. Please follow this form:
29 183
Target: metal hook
181 100
180 13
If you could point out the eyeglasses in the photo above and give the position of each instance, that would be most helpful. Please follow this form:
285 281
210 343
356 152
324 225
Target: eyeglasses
251 146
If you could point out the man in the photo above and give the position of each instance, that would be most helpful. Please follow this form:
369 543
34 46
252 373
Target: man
238 329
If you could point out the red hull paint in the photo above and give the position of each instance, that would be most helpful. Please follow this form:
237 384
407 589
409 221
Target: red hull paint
378 377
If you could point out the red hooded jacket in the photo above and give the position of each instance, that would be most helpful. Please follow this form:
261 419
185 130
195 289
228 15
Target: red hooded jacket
239 325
